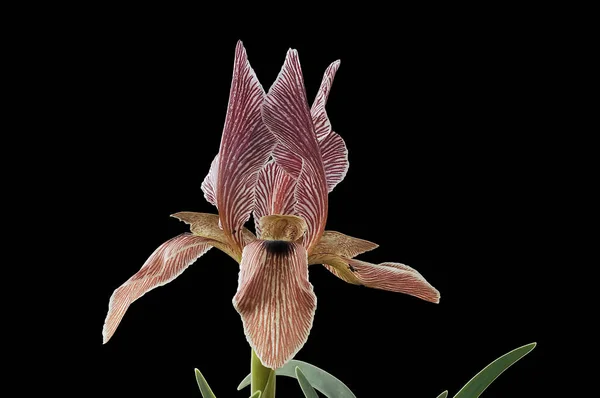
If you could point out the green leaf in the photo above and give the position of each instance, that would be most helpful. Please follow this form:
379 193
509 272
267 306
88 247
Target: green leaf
307 389
245 383
483 379
322 381
256 394
270 387
204 388
443 395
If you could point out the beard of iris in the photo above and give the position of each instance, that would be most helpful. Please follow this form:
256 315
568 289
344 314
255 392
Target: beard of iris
277 248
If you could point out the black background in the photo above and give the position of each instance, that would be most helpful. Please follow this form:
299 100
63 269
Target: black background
444 122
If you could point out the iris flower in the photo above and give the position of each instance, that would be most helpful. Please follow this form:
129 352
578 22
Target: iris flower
277 161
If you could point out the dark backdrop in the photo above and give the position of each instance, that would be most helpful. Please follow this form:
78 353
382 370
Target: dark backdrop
441 120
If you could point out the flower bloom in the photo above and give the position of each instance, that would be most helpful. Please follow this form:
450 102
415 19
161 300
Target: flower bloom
277 161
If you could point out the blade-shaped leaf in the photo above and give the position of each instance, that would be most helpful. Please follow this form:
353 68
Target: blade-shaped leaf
245 383
443 395
204 388
270 387
322 381
307 389
483 379
255 395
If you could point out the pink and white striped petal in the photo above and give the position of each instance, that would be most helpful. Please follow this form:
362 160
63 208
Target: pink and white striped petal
319 115
286 113
335 159
274 193
165 264
209 185
275 300
394 277
288 160
246 145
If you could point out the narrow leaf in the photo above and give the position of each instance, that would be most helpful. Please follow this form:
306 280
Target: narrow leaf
245 383
256 394
307 389
270 387
443 395
204 388
322 381
483 379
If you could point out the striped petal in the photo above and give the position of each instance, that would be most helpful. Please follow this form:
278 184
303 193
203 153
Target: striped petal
206 225
288 160
246 145
339 244
274 193
165 264
394 277
286 113
275 300
335 159
209 185
319 115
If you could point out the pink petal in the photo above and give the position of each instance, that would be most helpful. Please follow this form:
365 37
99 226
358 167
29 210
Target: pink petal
274 193
319 115
288 160
286 113
275 299
246 145
209 185
165 264
335 159
394 277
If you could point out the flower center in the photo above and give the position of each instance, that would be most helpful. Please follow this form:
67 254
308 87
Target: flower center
279 227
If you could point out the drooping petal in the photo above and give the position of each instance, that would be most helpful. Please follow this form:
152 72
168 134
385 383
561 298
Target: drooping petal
394 277
335 159
337 243
319 115
165 264
246 145
275 299
209 185
286 113
274 193
206 225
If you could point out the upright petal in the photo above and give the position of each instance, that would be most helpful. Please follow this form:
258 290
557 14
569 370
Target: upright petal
287 115
394 277
335 159
274 193
209 185
165 264
275 299
319 115
332 146
246 145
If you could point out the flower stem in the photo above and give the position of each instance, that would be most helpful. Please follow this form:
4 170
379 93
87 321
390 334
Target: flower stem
260 376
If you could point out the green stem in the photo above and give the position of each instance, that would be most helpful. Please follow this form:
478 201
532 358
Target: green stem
260 376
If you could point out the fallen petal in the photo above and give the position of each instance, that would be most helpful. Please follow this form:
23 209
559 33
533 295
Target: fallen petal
394 277
275 300
206 225
165 264
337 243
